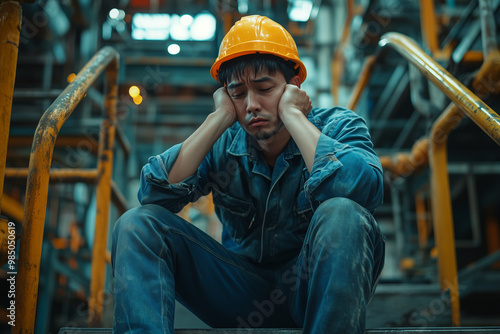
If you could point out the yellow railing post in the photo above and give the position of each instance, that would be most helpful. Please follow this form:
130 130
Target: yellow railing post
10 29
338 60
429 25
103 196
38 182
364 78
441 207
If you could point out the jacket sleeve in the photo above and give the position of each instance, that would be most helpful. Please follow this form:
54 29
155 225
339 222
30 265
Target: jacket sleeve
155 187
345 164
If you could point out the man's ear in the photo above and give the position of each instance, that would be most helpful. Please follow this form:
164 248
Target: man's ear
295 80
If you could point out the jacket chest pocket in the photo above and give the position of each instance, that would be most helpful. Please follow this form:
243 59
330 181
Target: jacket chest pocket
235 214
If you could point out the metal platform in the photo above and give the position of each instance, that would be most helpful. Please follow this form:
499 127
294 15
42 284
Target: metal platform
447 330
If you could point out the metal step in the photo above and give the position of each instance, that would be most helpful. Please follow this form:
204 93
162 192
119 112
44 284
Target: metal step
447 330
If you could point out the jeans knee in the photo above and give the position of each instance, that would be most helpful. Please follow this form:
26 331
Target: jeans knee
339 210
337 207
339 218
140 222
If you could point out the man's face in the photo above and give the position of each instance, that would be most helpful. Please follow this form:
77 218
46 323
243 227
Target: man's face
256 97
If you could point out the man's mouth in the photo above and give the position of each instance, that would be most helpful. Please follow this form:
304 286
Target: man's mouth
258 121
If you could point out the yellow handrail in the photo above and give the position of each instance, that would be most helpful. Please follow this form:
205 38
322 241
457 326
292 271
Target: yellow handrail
38 181
482 115
463 99
10 30
473 106
442 217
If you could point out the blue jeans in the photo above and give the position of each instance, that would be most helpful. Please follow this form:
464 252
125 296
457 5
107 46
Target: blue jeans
158 257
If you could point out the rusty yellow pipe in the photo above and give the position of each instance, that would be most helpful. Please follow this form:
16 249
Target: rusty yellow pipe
466 100
428 25
405 164
103 198
337 63
441 203
485 82
12 208
10 29
56 175
38 182
483 116
364 78
86 143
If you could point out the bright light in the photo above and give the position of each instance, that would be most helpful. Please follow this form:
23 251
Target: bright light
174 49
301 10
138 99
178 31
203 27
71 77
156 26
121 14
150 26
134 91
114 13
186 19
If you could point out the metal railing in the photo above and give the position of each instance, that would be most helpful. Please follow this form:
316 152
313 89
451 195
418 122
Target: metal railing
39 174
10 30
463 100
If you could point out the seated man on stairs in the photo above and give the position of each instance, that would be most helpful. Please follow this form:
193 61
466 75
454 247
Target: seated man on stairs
294 187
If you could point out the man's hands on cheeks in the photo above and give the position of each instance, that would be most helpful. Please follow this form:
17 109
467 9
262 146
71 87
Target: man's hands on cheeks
293 108
224 106
293 99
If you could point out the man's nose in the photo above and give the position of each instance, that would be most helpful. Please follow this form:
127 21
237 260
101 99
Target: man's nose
253 104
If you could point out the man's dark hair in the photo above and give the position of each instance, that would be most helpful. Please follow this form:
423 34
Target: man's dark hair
258 61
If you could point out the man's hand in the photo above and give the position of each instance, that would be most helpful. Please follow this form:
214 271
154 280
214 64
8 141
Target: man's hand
294 98
293 108
224 104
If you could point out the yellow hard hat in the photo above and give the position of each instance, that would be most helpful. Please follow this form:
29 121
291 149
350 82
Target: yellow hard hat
258 34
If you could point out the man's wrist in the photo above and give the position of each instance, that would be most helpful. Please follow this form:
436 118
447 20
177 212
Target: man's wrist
222 117
291 114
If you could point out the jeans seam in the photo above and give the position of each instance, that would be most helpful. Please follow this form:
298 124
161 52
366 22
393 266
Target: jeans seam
163 289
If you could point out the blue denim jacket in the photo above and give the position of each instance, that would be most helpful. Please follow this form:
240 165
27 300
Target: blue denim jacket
265 213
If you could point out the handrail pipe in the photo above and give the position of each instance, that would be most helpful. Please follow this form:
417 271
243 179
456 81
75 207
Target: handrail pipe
463 100
38 178
485 117
10 30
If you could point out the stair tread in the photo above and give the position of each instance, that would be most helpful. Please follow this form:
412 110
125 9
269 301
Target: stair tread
448 330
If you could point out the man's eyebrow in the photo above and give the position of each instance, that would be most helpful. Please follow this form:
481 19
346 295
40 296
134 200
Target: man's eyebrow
233 85
262 79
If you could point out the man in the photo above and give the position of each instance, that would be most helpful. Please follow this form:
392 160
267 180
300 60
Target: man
294 188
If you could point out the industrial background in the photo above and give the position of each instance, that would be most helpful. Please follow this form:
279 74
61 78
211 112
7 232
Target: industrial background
91 89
